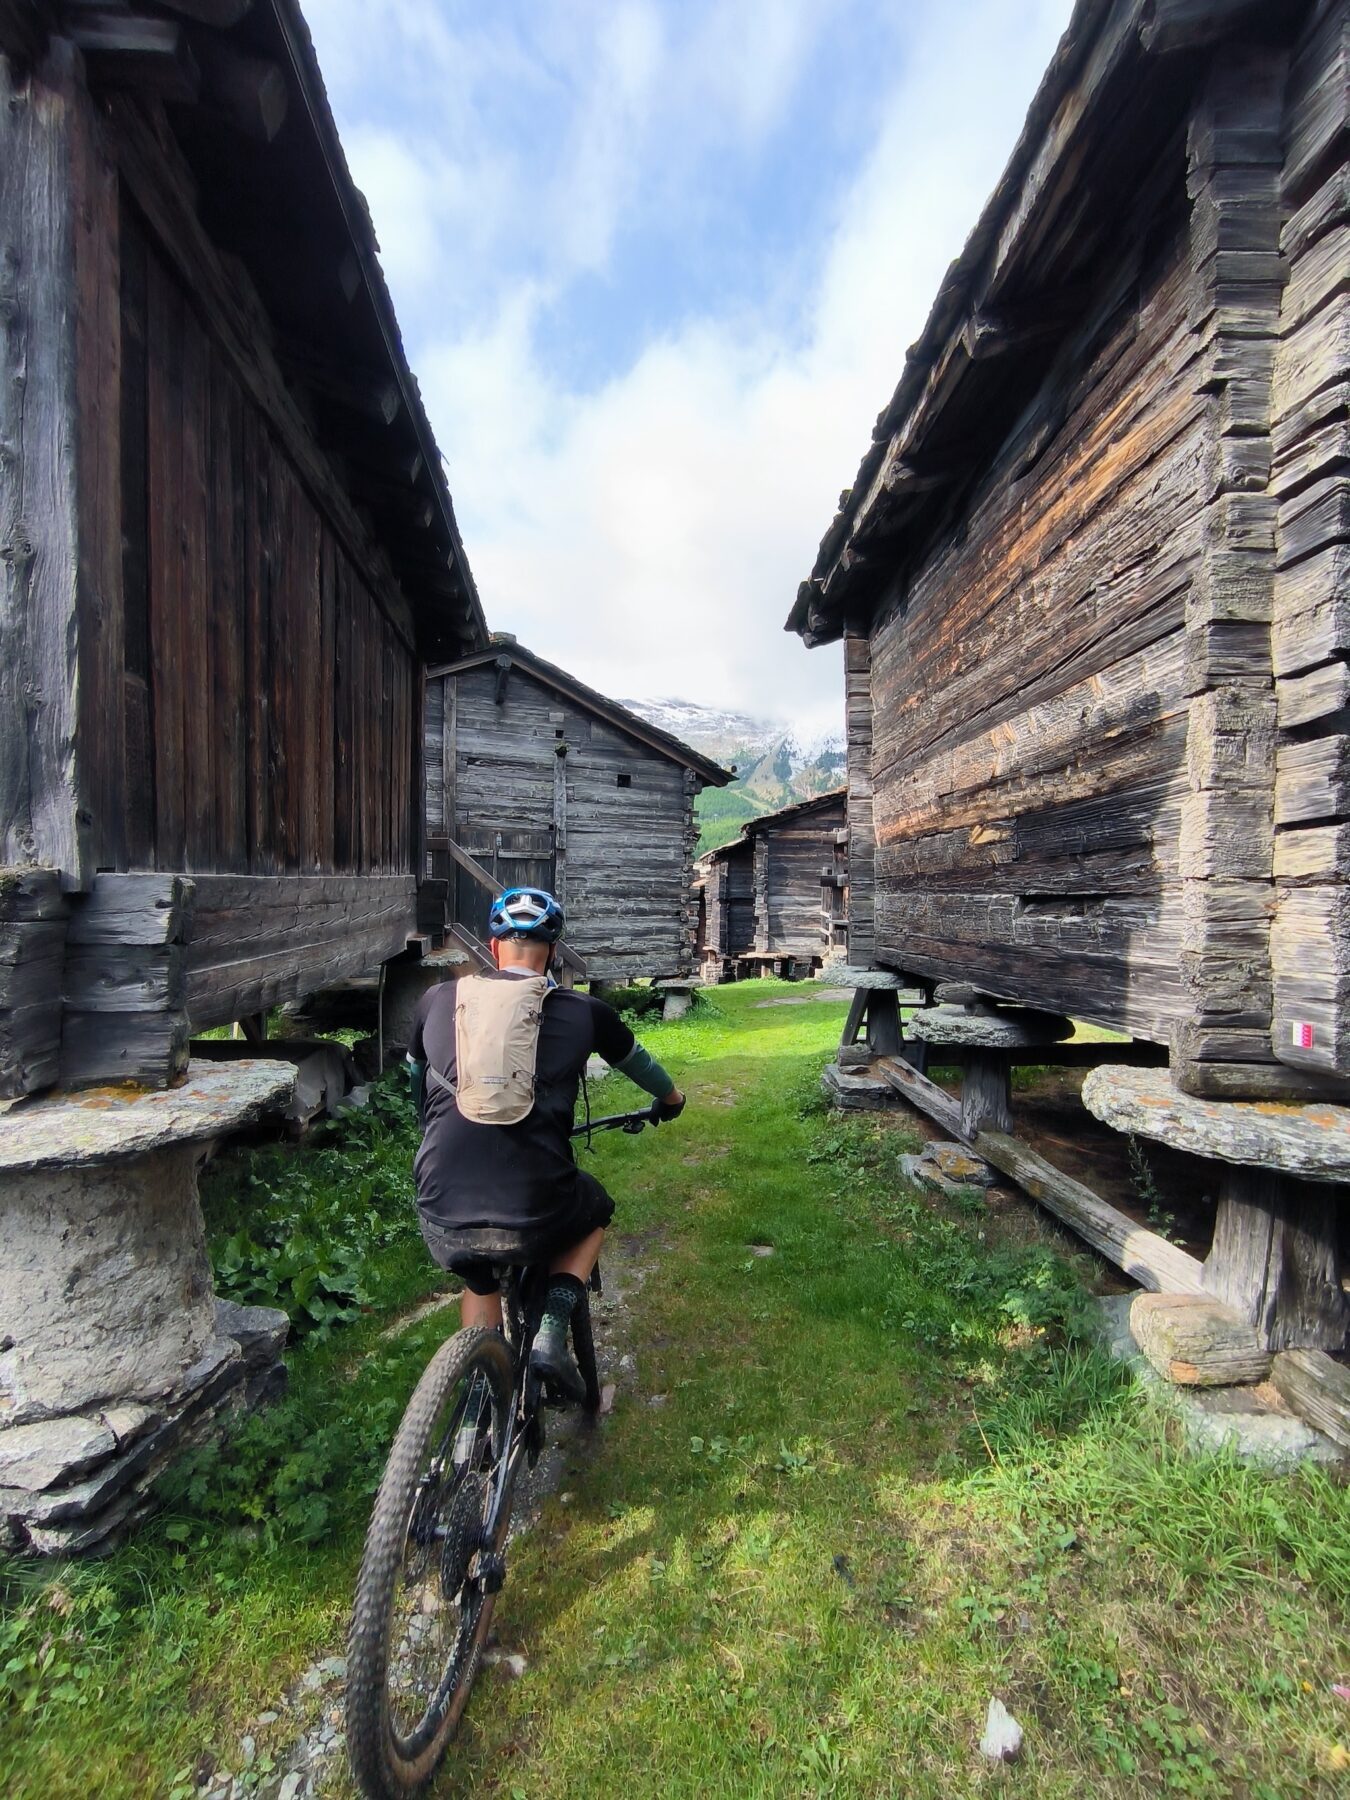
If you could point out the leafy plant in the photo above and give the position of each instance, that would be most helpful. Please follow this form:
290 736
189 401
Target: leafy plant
1146 1189
308 1225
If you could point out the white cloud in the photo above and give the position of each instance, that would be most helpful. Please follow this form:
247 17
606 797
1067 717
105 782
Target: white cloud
650 535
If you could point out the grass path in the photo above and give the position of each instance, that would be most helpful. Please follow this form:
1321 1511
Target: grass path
856 1488
857 1491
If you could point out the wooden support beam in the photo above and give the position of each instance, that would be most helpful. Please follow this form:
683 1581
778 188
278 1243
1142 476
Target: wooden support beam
1145 1256
221 15
1170 25
373 395
400 497
1275 1258
1317 1389
1194 1341
904 476
986 1092
249 91
986 335
883 1021
125 50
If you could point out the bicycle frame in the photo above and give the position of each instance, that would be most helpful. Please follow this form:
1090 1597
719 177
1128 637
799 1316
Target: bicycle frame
524 1419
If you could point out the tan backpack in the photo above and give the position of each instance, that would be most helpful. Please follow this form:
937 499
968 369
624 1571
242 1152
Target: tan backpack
496 1044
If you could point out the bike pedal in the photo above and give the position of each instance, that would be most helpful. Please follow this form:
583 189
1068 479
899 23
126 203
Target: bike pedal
491 1571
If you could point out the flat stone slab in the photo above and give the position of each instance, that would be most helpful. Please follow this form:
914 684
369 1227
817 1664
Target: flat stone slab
985 1029
451 957
100 1124
1312 1140
848 975
39 1456
857 1090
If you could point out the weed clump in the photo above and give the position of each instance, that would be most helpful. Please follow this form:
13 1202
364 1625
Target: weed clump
303 1229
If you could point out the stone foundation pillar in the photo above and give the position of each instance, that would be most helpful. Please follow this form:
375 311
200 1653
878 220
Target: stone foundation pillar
114 1352
1284 1178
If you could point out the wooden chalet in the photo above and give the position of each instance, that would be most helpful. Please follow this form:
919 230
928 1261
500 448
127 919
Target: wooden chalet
775 899
1093 579
531 777
1094 572
227 544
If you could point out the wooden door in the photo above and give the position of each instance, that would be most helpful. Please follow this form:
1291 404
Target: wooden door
515 858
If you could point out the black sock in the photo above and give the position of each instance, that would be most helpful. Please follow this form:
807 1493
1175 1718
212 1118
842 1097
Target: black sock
563 1293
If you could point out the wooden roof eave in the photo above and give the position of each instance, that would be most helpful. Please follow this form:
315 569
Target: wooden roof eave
472 629
1103 39
181 60
710 774
799 809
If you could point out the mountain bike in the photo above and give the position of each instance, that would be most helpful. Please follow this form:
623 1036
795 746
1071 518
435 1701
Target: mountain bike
435 1552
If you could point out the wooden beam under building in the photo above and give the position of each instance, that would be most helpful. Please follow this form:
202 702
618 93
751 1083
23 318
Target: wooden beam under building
372 394
1144 1256
126 50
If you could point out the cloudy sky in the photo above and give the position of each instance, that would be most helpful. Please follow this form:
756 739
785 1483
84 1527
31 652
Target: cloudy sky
657 263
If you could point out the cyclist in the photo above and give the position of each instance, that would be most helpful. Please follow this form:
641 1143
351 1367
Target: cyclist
511 1192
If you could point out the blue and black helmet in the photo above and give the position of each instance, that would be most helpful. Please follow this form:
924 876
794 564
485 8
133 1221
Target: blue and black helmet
526 912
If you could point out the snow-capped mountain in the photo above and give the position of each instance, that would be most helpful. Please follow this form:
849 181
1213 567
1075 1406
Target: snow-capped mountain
775 763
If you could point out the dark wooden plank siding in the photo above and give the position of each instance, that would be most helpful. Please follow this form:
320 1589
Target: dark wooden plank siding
728 907
280 733
101 614
861 828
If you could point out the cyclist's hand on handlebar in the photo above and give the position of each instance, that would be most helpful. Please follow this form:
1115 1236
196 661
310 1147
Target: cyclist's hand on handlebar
669 1108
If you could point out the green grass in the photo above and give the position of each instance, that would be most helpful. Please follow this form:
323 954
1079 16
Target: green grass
889 1478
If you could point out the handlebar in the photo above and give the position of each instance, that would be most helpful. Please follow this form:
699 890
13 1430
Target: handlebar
632 1122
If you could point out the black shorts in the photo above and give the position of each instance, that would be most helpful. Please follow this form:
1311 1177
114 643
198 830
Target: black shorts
470 1251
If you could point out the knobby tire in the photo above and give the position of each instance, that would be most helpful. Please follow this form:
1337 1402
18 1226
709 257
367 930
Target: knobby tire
383 1769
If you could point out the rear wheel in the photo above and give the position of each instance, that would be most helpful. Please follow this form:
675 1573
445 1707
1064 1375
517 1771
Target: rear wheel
422 1607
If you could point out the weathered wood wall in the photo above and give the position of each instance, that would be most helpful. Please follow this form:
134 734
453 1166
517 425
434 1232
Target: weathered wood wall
1100 707
861 827
210 667
729 888
1028 685
269 699
1310 440
612 816
44 808
791 856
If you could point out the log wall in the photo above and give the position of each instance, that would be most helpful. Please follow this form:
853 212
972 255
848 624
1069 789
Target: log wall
1310 438
790 893
1029 682
516 768
1107 740
729 900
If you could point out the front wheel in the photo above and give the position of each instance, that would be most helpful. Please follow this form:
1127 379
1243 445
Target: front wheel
422 1612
